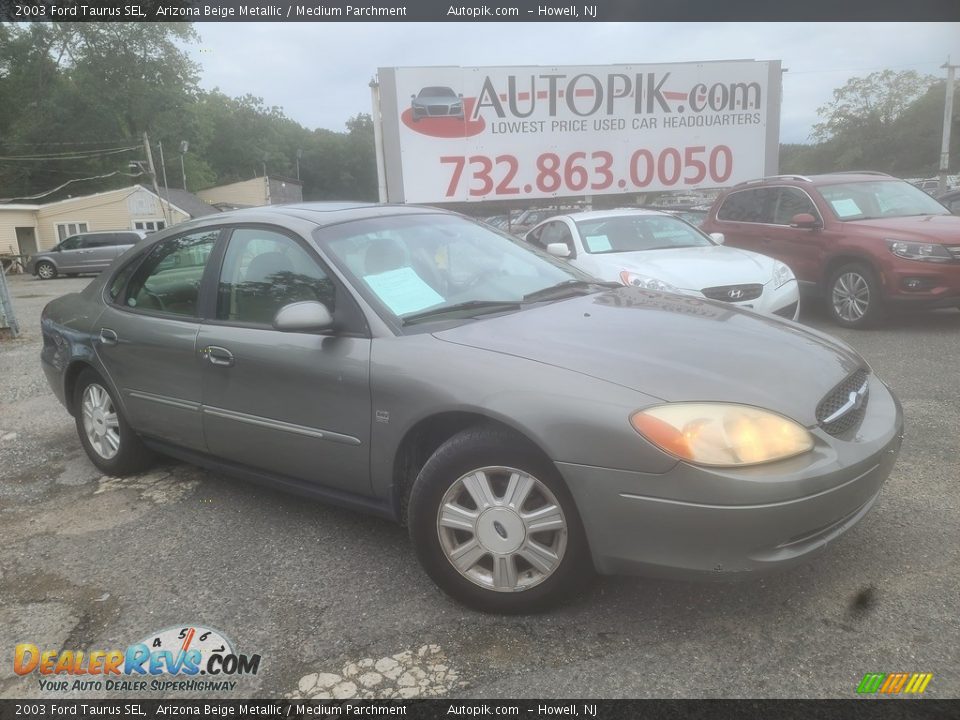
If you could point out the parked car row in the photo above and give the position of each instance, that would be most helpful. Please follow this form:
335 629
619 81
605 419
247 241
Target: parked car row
863 242
659 251
527 421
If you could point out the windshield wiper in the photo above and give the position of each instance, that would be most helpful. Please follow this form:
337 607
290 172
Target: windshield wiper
478 305
567 288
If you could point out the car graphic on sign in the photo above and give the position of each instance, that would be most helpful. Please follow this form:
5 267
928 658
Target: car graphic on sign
436 101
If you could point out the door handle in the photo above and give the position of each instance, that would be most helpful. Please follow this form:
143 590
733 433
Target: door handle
108 336
83 252
218 355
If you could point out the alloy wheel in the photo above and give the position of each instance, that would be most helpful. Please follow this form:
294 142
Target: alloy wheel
45 271
100 421
502 529
851 296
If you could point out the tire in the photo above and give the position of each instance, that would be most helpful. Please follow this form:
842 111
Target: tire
46 270
106 436
505 463
854 296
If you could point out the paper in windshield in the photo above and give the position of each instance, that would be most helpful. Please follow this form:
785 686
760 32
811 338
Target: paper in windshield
403 291
598 243
846 208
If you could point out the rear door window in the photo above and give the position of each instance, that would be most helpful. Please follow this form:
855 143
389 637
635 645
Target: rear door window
101 240
751 206
168 280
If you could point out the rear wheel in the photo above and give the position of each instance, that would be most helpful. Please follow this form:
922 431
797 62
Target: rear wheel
110 442
494 526
46 270
854 296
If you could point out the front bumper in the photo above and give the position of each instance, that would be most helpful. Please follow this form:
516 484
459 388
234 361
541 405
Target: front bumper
696 521
923 284
783 301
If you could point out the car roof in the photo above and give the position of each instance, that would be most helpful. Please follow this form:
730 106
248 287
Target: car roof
603 214
322 213
107 232
817 180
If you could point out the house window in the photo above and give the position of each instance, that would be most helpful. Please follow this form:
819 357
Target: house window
149 225
65 230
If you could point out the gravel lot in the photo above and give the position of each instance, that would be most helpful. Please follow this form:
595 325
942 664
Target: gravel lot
335 602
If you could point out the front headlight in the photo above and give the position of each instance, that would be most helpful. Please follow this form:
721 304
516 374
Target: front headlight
721 434
928 252
642 281
781 274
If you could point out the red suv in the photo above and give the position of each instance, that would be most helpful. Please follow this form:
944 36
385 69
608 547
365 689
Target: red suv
863 241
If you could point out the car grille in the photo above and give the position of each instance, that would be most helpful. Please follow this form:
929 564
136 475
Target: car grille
733 293
837 398
787 311
438 109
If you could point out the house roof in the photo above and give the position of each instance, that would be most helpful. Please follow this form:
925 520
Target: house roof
186 201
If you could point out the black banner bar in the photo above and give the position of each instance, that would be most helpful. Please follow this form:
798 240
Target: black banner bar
479 11
134 709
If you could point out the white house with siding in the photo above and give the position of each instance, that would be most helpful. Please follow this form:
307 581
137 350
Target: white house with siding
26 228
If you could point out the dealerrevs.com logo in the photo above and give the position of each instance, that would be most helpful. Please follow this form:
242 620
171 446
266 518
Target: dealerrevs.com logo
168 660
894 683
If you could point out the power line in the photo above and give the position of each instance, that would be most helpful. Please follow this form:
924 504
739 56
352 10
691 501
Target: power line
77 155
68 182
71 142
49 171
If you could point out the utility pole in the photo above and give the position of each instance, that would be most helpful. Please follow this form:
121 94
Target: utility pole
299 155
153 177
947 121
184 146
163 166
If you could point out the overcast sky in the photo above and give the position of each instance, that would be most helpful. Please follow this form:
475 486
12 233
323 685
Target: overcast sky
318 72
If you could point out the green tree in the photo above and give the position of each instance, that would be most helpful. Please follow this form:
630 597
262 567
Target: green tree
80 86
870 104
887 121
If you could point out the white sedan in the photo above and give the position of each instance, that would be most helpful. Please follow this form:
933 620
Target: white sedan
658 251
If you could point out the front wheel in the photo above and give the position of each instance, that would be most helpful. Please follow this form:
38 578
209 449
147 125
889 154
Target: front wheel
46 271
854 296
110 442
494 526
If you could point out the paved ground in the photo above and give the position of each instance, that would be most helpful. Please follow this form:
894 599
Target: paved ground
335 602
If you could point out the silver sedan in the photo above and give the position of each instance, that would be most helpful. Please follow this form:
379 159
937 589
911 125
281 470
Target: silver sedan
526 421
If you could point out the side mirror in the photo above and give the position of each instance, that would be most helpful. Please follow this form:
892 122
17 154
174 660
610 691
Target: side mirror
460 95
804 221
718 238
413 97
306 316
559 250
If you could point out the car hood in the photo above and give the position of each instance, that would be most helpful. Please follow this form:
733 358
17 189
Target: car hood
933 228
692 268
673 347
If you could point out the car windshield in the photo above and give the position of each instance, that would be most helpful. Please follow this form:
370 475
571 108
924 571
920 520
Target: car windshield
414 263
879 199
437 92
632 233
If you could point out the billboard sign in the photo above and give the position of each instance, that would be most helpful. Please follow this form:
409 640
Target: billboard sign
454 134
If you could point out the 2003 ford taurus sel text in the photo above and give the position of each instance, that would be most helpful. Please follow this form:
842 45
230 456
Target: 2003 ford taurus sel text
526 421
